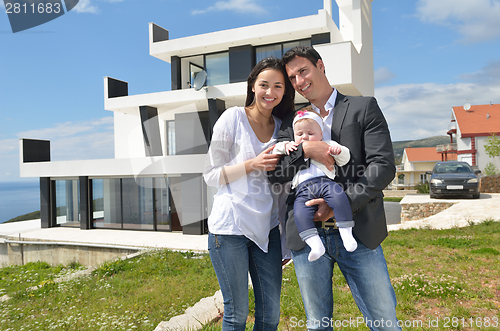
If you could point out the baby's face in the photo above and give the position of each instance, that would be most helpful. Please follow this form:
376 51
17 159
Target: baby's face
307 131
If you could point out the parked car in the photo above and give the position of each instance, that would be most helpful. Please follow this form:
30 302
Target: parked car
454 178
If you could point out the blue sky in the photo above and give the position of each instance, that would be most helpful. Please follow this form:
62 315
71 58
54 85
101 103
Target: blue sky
428 56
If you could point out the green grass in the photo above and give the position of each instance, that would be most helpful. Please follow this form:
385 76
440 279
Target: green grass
135 294
444 280
16 278
393 199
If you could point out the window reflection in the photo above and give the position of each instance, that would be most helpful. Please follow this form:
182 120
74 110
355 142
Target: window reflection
277 50
268 51
107 203
67 203
134 203
304 42
217 66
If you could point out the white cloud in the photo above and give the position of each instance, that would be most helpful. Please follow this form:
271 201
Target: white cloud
416 111
90 146
477 21
7 146
383 75
63 130
84 140
84 6
486 76
238 6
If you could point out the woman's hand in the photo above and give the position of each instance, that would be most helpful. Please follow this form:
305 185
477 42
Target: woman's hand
324 212
264 161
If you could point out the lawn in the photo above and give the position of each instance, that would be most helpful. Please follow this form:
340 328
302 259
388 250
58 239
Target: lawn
444 280
135 294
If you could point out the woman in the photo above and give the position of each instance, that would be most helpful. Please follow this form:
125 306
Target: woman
243 225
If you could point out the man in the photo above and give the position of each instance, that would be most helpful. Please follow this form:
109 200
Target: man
357 123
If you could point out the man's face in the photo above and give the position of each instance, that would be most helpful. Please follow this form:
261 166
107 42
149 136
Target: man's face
306 78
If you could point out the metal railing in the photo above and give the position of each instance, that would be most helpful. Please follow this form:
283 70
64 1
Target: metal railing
447 148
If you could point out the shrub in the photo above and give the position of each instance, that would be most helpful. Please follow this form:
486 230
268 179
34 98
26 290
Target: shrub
422 187
490 169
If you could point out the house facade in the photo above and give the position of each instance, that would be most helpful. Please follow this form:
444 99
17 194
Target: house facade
415 163
155 182
470 126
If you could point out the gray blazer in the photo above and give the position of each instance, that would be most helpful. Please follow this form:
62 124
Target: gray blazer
358 124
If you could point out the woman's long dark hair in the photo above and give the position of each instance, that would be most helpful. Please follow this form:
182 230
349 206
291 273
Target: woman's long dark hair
287 103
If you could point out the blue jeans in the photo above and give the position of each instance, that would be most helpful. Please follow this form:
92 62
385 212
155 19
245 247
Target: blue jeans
334 196
365 271
233 257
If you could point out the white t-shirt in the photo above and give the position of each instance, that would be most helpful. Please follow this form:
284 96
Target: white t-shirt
247 206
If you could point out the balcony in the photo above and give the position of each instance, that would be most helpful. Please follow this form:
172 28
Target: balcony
447 148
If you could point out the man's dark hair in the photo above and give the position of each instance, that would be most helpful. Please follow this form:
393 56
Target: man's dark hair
307 52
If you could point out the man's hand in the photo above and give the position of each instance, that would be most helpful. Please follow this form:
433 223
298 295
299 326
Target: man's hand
319 151
324 212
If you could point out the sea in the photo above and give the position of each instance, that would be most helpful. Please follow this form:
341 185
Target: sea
18 198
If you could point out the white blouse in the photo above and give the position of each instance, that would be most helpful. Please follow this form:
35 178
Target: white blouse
249 205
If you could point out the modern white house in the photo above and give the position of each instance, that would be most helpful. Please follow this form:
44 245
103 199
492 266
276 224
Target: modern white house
160 139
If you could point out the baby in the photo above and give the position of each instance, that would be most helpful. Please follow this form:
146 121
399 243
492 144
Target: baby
317 182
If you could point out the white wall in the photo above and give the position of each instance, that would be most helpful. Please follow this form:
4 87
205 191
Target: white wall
463 143
129 139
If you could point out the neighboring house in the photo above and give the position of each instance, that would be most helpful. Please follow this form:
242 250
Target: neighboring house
155 180
415 163
470 127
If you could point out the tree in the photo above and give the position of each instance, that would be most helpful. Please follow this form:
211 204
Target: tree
492 149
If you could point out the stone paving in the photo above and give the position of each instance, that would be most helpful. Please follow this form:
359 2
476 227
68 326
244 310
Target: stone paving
462 213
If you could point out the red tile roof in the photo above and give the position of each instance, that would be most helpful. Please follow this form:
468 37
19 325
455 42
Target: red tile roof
479 120
426 154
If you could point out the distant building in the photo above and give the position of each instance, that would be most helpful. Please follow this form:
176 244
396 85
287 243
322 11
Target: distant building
155 180
470 126
415 163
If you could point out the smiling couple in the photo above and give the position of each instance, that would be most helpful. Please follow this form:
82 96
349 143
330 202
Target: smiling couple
244 225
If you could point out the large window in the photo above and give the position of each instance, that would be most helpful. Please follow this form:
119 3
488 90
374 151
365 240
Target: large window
217 66
277 50
268 51
304 42
67 203
134 203
106 194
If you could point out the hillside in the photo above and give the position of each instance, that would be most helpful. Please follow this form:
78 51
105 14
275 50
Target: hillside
399 146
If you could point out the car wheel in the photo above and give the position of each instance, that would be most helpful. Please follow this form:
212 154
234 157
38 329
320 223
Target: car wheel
433 196
476 196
